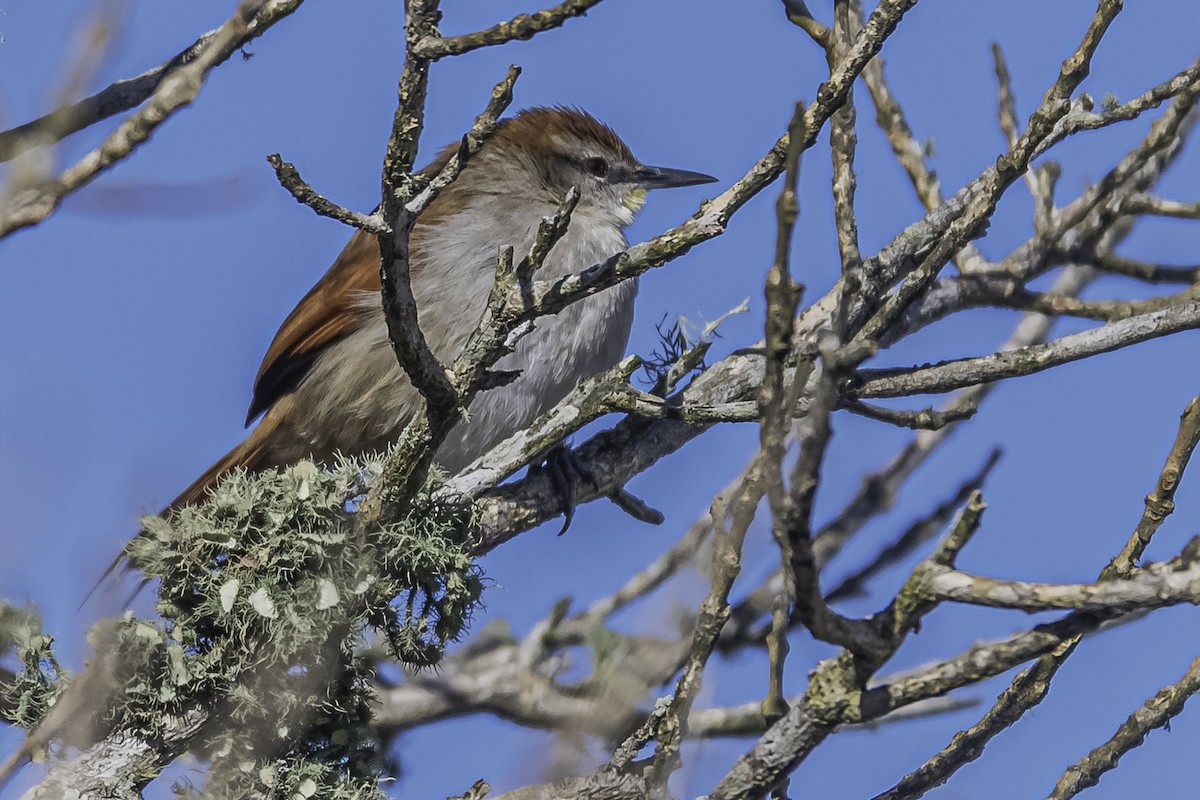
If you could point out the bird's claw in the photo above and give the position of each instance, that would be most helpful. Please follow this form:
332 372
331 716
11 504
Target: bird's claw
566 471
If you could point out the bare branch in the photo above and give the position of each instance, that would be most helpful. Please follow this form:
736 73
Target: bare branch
1151 98
1006 103
714 215
290 178
918 533
1155 713
1154 586
747 719
958 373
1030 687
714 612
403 202
130 92
404 198
472 141
177 89
523 26
843 140
1159 207
1027 690
927 419
799 15
1160 503
1151 273
1010 166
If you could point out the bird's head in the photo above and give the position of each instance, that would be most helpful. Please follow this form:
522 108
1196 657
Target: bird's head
541 153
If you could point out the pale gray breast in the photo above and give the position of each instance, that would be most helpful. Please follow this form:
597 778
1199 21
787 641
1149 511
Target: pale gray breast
357 398
581 340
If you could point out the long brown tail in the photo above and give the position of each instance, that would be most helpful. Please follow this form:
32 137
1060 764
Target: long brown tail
251 455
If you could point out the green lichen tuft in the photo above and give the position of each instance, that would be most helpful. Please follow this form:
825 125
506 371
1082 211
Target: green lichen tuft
266 593
30 687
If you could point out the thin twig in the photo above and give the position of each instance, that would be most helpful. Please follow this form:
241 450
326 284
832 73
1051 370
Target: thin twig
177 89
919 532
1030 687
1029 360
1027 690
714 612
125 94
523 26
290 178
1154 586
1159 207
1160 503
1155 713
799 15
404 198
1143 271
927 419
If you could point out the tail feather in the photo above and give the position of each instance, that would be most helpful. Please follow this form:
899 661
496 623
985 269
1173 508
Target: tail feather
250 455
256 453
253 455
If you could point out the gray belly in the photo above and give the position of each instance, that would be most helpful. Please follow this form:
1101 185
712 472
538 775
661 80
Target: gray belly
580 341
357 399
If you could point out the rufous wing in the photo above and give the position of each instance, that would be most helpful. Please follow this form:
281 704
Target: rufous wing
331 309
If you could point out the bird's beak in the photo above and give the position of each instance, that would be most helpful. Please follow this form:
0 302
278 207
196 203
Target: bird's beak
666 178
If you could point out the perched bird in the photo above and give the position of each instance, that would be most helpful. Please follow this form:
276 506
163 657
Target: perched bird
330 383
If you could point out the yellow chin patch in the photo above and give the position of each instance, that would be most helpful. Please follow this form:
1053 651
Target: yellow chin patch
635 199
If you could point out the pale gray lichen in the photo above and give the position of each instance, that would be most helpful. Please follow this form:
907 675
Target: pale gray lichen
30 678
265 593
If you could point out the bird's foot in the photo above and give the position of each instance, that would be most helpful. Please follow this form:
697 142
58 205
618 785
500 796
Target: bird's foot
635 507
567 471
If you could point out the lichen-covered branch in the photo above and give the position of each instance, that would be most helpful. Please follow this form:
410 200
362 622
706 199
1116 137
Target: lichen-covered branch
1154 586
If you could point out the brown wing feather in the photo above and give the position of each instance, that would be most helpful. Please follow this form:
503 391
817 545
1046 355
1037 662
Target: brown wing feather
328 312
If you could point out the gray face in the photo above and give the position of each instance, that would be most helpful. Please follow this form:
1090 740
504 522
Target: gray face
602 176
610 182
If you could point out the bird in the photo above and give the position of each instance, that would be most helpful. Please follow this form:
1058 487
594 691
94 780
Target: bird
330 384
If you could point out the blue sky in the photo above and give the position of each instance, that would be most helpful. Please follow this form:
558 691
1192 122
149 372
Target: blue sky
134 329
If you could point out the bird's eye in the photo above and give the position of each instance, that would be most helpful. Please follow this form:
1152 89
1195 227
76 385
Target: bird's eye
596 166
